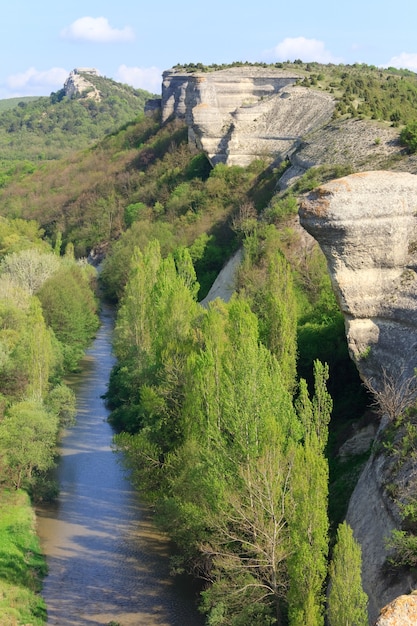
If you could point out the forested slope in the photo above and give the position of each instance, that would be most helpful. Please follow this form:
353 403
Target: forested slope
230 416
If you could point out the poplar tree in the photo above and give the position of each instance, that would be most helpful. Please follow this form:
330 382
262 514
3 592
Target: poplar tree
307 507
347 602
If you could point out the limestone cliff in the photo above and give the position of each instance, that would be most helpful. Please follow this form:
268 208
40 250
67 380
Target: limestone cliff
242 113
77 83
366 225
400 612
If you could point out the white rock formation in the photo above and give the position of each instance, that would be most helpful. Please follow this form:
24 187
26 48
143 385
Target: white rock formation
225 284
401 612
77 83
366 225
243 113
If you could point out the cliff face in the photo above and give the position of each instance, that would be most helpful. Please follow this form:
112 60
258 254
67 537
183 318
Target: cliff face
239 114
77 83
366 225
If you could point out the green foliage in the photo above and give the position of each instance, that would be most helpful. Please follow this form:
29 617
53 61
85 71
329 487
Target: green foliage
50 127
307 516
404 547
408 136
17 235
61 402
21 563
316 176
70 309
347 602
27 443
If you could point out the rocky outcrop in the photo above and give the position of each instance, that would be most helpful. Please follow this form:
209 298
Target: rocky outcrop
401 612
77 83
243 113
362 144
366 225
373 515
225 284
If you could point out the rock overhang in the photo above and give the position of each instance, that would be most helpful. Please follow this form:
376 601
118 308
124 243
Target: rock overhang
366 225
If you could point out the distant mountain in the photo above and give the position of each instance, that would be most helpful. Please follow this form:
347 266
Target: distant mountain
87 108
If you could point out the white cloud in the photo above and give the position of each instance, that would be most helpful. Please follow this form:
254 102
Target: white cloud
405 60
33 82
96 29
292 48
149 78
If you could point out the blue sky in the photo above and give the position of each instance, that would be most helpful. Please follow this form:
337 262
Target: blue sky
133 42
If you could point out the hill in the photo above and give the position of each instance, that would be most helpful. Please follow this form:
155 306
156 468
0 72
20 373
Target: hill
47 128
10 103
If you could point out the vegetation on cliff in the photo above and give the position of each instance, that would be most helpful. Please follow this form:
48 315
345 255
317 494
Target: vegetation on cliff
360 90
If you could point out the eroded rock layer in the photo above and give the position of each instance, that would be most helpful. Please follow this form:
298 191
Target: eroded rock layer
243 113
366 225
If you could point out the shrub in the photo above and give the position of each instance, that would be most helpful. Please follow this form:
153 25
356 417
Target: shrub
408 136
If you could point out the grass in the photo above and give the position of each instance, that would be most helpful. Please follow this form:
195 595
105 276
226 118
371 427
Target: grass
22 565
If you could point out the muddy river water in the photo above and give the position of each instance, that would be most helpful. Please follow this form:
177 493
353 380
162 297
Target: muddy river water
107 562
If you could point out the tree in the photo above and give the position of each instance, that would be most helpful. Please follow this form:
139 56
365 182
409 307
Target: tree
249 544
347 602
30 268
70 309
307 507
408 136
30 350
242 420
27 442
61 402
393 394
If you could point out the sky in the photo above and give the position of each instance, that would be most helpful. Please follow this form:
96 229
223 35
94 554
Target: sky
133 41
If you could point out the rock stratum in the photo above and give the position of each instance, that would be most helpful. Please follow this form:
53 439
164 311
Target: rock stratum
366 225
239 114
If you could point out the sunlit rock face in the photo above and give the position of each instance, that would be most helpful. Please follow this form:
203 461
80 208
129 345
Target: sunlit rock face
77 83
366 225
400 612
243 113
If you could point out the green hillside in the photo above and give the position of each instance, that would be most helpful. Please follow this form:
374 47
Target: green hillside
47 128
10 103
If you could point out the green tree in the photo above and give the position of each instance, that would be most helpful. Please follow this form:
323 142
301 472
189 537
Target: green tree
242 419
27 442
70 309
347 602
307 507
61 402
408 136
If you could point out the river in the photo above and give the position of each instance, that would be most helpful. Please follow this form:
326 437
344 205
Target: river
107 562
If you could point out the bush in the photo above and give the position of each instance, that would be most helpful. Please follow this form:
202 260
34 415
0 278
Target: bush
408 136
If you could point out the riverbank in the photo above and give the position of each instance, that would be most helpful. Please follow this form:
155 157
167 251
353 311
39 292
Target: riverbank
22 566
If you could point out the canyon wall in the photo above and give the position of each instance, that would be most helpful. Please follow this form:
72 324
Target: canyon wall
239 114
366 225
